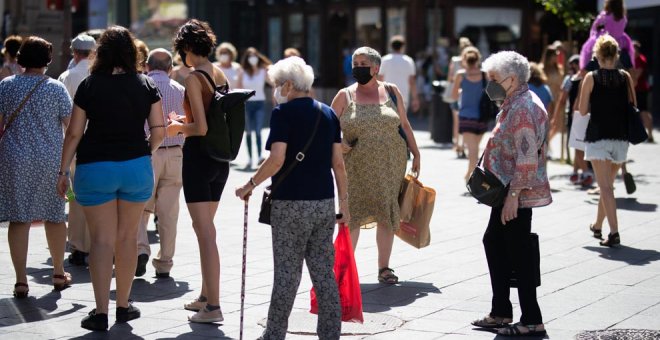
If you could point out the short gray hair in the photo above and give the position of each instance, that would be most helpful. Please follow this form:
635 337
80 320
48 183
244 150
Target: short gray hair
508 63
373 55
159 59
292 69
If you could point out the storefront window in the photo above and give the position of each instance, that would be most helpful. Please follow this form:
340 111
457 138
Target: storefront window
313 42
489 29
396 22
156 21
368 27
295 35
275 38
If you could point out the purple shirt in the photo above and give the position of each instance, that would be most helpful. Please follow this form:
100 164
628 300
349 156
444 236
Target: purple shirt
516 153
172 100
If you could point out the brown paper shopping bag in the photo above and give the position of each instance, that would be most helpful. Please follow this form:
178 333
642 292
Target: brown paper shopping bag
416 203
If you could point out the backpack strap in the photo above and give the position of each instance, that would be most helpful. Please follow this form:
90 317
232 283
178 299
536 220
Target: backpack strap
223 88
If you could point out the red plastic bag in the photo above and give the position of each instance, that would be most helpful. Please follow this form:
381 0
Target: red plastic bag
348 282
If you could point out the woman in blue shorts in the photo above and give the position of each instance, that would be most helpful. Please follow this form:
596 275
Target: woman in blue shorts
114 178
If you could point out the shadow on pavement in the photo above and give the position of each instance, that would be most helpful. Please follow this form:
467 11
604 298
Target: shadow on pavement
201 331
632 256
378 297
161 289
15 311
630 203
117 331
501 337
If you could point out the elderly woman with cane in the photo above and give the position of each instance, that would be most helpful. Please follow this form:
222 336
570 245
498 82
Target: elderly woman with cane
515 154
303 206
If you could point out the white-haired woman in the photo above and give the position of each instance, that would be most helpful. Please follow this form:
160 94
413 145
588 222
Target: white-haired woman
226 55
371 113
606 93
515 153
303 211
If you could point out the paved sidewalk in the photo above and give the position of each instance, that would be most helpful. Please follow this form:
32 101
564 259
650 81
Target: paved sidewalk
444 286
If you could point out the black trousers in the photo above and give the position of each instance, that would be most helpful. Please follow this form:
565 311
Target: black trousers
508 247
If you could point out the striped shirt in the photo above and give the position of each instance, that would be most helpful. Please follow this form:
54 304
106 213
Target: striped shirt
172 94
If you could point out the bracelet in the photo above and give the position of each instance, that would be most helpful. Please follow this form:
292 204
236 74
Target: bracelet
156 126
63 173
252 182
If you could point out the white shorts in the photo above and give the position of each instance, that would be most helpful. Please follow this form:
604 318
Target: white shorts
606 150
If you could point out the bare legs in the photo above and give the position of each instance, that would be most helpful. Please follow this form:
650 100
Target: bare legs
456 136
113 232
606 172
202 214
384 241
472 142
19 235
647 118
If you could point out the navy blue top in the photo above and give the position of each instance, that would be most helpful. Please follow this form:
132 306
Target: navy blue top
292 123
543 92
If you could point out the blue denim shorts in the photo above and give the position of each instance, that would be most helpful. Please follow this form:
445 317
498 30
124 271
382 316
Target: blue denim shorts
101 182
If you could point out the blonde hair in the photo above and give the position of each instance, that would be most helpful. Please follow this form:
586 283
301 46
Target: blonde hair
606 47
464 43
471 56
227 46
536 75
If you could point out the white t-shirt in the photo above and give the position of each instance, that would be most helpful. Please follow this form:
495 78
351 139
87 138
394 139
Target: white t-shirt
397 68
255 82
74 76
231 73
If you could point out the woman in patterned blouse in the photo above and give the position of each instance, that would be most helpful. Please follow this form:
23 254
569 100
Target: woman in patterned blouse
515 153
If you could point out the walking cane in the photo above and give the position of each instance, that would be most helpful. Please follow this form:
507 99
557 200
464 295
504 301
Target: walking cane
245 229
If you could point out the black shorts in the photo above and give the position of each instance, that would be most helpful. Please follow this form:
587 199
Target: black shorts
470 125
642 100
203 178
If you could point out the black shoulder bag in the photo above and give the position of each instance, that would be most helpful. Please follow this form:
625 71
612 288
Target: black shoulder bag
486 187
267 199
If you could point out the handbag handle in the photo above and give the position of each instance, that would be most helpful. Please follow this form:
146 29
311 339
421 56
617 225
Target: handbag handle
14 114
301 155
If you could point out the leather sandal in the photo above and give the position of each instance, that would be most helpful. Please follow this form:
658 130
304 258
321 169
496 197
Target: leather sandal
20 293
389 278
492 322
598 233
61 282
515 330
612 240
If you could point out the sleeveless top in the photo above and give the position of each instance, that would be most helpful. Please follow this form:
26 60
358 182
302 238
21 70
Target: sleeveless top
470 98
573 93
609 106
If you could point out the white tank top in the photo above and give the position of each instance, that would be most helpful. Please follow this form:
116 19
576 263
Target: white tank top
255 82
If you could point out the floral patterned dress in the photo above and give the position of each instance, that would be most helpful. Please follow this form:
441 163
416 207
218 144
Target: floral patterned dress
31 149
376 164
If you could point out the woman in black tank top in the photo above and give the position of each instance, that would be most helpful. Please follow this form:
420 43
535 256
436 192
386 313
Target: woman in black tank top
203 178
606 93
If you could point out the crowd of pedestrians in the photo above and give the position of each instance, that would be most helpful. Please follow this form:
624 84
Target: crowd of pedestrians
134 124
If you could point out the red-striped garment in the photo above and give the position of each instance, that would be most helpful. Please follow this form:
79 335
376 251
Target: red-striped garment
516 152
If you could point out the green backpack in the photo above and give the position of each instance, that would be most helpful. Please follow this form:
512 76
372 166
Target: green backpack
226 121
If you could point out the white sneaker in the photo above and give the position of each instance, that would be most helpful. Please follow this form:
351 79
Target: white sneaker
194 305
207 316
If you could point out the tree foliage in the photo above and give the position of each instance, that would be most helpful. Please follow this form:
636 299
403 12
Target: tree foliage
568 12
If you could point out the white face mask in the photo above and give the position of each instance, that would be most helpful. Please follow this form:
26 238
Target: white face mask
224 58
253 60
279 98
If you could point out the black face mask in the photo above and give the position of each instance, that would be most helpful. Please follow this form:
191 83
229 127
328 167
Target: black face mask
362 74
183 59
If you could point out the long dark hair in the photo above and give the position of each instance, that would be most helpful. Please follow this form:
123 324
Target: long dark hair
116 48
247 67
615 7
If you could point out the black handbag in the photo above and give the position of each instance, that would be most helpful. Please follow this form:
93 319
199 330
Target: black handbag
486 187
636 131
536 261
267 198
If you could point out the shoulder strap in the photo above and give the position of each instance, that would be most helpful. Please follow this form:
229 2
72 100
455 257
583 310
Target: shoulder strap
14 114
349 95
301 155
628 91
390 92
207 76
